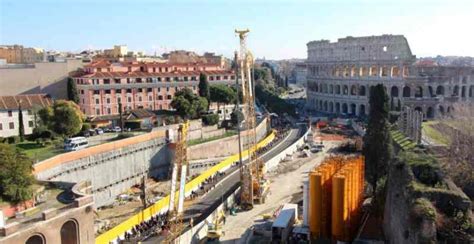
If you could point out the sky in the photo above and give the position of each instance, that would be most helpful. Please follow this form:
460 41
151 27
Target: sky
279 29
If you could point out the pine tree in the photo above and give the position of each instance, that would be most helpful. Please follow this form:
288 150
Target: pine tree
204 87
377 141
72 91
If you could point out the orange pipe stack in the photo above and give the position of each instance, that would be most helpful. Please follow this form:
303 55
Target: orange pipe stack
335 197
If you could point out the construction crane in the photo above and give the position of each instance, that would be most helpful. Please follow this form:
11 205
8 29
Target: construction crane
179 173
254 185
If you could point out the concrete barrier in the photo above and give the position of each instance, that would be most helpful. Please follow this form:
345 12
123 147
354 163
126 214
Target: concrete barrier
272 163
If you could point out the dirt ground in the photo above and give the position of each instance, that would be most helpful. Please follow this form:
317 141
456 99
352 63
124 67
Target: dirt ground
286 182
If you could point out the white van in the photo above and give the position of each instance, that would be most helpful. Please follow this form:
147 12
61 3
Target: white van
75 143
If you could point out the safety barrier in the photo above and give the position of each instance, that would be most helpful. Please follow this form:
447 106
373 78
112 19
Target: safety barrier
162 205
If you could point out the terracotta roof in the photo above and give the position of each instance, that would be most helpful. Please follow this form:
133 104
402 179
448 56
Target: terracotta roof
139 114
150 74
27 101
99 64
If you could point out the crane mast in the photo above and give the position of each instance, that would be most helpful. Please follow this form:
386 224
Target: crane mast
251 175
178 175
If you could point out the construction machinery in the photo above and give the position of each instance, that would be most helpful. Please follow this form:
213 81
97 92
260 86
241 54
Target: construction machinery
178 175
254 186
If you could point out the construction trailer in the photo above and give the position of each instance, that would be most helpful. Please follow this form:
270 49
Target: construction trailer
282 227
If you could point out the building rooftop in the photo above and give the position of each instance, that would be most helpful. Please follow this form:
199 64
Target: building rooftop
27 101
151 74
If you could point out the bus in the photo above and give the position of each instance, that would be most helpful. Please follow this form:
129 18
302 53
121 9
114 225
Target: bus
75 143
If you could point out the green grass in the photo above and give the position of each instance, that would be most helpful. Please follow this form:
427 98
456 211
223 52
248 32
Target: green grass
38 152
199 141
404 142
434 134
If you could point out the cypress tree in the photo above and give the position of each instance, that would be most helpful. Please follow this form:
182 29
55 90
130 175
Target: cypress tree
21 127
72 91
377 141
204 87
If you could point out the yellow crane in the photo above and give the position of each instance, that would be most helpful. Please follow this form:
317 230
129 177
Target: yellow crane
178 175
254 185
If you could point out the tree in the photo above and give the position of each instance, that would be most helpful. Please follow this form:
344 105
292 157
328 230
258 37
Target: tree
15 174
21 126
377 142
64 118
204 87
189 105
236 116
72 94
210 119
222 94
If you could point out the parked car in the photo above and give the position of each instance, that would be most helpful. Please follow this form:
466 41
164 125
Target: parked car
99 131
116 129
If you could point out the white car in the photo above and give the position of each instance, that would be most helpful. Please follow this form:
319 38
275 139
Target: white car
99 131
117 129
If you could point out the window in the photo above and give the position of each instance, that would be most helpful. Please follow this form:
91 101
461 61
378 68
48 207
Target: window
218 77
226 77
149 89
30 124
169 97
107 91
193 78
82 91
140 90
160 97
139 99
118 91
129 90
159 89
185 78
10 113
129 99
1 126
108 100
168 79
117 81
96 92
106 81
167 89
97 111
119 100
11 125
175 78
159 78
109 111
97 101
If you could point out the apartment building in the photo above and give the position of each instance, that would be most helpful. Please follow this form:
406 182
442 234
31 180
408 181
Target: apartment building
138 85
21 55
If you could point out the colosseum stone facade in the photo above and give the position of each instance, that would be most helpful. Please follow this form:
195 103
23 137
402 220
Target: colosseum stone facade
340 75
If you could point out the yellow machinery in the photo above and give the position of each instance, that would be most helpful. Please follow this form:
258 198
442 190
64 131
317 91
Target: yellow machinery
214 230
178 175
254 185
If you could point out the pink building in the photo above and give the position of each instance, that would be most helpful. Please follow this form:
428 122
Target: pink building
140 85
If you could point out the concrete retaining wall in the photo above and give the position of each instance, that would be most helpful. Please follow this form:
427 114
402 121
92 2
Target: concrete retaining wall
113 171
224 147
272 163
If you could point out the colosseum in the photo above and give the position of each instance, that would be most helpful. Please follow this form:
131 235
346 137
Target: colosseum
341 73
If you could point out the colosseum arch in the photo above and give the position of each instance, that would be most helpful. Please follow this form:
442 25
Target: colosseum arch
320 105
353 109
325 106
338 89
362 110
364 71
430 91
463 91
471 91
36 239
440 90
430 113
353 90
345 90
320 87
441 109
346 71
374 71
338 108
385 71
325 88
344 108
406 91
331 107
456 90
419 91
394 91
395 71
331 89
70 232
362 90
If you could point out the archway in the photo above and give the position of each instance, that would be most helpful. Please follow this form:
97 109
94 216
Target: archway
353 109
456 90
362 90
418 109
344 108
36 239
394 91
345 90
419 91
338 89
471 91
331 107
440 90
320 105
331 89
353 90
406 91
430 113
441 110
362 110
463 91
325 106
69 233
430 91
338 108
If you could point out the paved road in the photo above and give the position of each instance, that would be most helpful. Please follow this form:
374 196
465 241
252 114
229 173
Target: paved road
231 179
